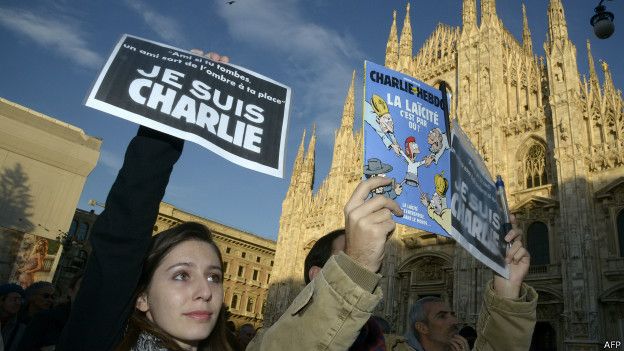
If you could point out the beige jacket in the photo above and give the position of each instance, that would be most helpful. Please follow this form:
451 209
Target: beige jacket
504 324
328 313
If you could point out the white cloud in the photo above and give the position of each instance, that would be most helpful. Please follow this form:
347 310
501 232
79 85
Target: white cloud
111 161
320 59
165 27
58 33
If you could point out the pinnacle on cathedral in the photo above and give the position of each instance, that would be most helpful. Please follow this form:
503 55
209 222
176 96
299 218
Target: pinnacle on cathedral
392 46
405 45
527 43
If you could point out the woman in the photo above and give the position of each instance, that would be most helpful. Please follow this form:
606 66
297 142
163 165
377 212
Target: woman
180 294
156 281
33 263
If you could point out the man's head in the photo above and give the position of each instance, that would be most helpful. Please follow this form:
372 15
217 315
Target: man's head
435 140
11 297
328 245
432 323
384 119
39 296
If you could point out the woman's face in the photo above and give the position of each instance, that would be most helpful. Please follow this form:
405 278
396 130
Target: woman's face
186 292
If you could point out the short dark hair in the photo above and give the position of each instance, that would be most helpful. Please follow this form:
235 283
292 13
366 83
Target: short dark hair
320 252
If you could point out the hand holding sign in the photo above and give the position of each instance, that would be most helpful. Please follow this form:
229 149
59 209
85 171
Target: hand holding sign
519 260
368 223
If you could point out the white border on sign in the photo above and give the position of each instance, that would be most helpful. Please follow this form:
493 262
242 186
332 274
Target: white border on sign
136 118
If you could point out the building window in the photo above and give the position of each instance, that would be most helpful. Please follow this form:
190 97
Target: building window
537 243
225 266
83 229
72 229
620 230
255 274
243 254
227 250
535 167
240 271
271 263
268 278
258 259
234 303
250 304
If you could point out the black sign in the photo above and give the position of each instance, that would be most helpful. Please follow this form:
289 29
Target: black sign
238 114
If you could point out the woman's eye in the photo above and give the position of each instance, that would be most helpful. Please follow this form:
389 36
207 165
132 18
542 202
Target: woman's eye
181 276
214 277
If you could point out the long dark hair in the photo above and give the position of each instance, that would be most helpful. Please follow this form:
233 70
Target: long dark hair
161 245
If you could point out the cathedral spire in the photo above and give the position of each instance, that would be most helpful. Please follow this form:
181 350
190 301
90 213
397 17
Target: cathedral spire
488 11
405 44
298 160
609 88
308 164
469 14
527 43
392 47
348 111
557 25
593 77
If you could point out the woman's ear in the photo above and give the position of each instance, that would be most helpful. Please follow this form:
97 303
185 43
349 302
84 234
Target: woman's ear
141 303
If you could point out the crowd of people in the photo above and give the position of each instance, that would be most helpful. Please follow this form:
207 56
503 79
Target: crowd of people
165 292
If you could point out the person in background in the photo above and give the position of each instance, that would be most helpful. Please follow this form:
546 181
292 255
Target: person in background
44 330
246 332
506 321
39 297
11 329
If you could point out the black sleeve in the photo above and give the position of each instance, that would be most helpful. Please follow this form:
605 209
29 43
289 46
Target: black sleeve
120 239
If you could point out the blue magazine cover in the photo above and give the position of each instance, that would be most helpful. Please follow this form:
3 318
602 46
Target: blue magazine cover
406 137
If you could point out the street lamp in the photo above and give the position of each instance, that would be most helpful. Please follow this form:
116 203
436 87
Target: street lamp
602 21
93 203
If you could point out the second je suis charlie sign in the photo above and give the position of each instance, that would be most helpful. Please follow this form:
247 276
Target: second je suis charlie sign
439 180
236 113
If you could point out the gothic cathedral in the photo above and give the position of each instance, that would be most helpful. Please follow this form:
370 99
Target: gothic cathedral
556 137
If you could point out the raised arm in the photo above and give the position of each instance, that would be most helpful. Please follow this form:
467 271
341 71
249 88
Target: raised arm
508 313
120 239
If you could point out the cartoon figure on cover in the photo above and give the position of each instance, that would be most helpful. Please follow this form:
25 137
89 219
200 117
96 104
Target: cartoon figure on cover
381 121
436 206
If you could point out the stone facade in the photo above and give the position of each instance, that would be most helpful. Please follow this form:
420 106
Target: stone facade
556 137
43 167
240 250
248 262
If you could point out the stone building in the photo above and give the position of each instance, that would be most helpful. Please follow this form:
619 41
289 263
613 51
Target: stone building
43 167
76 249
247 259
555 136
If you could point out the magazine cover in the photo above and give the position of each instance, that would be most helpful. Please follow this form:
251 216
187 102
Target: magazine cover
406 138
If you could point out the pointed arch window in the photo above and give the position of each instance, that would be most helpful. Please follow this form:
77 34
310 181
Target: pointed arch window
538 244
620 231
535 167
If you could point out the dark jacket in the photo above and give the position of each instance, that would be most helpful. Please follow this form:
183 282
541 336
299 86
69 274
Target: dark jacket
45 328
120 239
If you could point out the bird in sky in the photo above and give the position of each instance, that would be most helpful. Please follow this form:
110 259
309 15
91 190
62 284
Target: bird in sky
231 2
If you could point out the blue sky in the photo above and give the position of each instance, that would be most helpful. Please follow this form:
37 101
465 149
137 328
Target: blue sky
52 52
